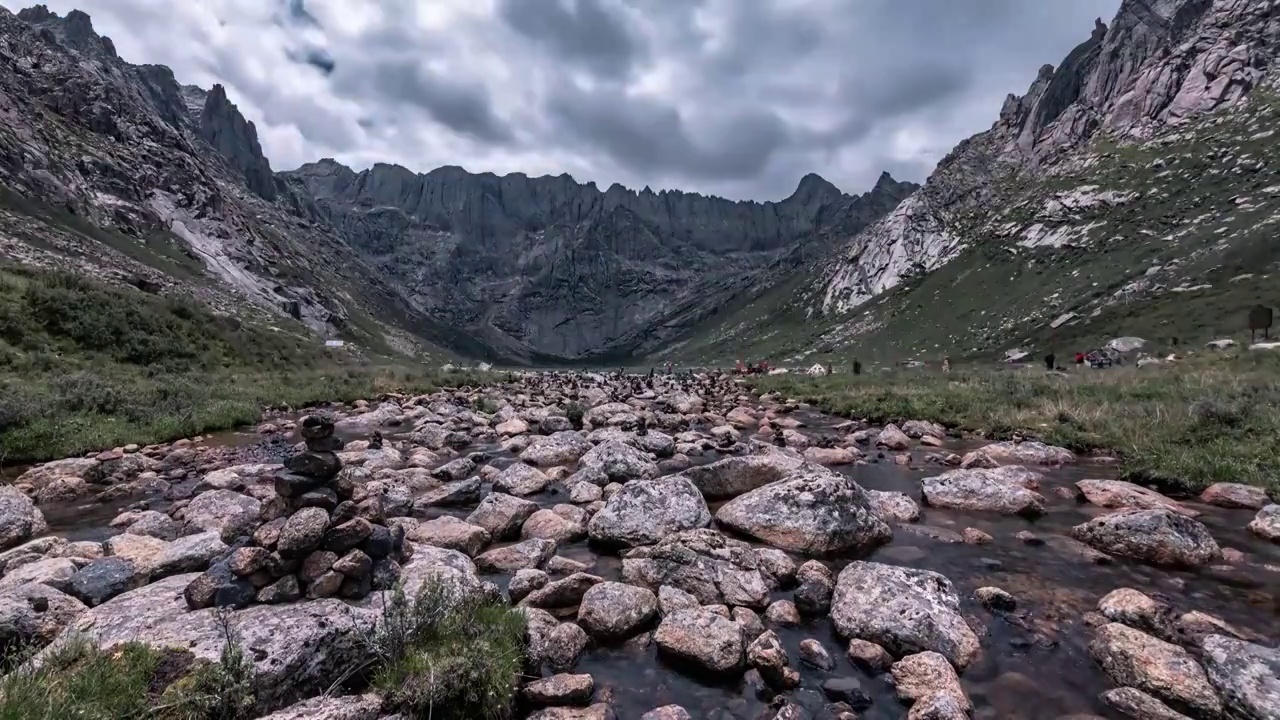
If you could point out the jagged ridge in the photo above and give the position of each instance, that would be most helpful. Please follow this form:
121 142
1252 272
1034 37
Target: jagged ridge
528 268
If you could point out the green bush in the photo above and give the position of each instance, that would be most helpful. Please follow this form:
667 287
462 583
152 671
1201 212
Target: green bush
86 367
441 657
76 679
574 412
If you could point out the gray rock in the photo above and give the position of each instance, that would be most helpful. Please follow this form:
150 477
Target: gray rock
704 563
19 518
303 532
1159 536
561 689
646 511
703 638
903 610
1008 490
618 462
1132 658
616 611
1246 676
813 511
296 649
734 476
561 448
566 592
230 513
526 554
502 515
32 615
349 707
103 579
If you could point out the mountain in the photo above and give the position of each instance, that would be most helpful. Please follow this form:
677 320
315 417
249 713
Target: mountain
119 172
551 267
1132 190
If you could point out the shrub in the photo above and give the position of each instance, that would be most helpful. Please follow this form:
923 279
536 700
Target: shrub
574 412
451 658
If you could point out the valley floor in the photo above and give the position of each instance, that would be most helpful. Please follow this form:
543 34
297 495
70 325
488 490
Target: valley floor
1181 426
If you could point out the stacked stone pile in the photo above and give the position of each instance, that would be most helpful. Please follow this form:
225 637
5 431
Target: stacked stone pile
323 545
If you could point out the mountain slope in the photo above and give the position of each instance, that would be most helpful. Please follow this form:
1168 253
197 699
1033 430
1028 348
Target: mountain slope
119 172
549 268
1131 190
106 169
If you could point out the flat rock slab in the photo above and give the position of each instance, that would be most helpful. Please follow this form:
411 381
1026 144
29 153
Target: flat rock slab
296 649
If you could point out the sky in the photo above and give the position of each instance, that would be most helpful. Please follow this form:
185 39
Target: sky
738 98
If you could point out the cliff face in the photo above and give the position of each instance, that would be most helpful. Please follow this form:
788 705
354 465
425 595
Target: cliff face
506 267
551 267
1160 64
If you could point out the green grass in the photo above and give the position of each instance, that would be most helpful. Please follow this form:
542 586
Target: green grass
76 679
440 658
1212 418
85 366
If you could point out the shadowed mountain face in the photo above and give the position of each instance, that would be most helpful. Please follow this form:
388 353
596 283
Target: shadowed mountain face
519 268
547 266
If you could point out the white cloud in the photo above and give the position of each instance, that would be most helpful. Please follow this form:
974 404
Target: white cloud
736 97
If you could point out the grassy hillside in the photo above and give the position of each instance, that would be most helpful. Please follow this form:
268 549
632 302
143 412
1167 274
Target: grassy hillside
1172 240
86 366
1211 418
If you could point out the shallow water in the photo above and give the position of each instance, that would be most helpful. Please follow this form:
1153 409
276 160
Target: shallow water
1034 663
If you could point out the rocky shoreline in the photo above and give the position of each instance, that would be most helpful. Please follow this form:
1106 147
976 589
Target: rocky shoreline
678 548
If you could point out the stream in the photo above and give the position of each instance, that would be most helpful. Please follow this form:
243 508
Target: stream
1034 662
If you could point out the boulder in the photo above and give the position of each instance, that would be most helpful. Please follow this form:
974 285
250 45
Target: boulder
1006 490
645 511
19 519
618 462
502 515
1246 676
1235 495
616 611
559 448
814 511
702 638
1118 494
1159 537
296 649
1131 658
703 563
734 476
904 610
519 479
230 513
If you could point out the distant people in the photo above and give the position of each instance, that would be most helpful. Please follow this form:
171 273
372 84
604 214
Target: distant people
1048 361
828 369
857 367
1079 358
946 365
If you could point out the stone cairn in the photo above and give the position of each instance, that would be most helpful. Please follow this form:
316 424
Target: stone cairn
321 545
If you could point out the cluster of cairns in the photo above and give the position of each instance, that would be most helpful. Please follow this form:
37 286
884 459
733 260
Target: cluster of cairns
322 545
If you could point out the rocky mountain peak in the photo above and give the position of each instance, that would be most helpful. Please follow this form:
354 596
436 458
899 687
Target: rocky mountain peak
236 139
815 188
74 31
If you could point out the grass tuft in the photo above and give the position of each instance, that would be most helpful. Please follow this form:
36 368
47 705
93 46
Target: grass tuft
444 657
1184 426
77 679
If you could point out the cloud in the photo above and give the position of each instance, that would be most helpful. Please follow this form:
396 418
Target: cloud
735 97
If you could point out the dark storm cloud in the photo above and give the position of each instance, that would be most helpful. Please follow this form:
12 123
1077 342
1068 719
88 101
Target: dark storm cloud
735 97
580 31
462 107
649 136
